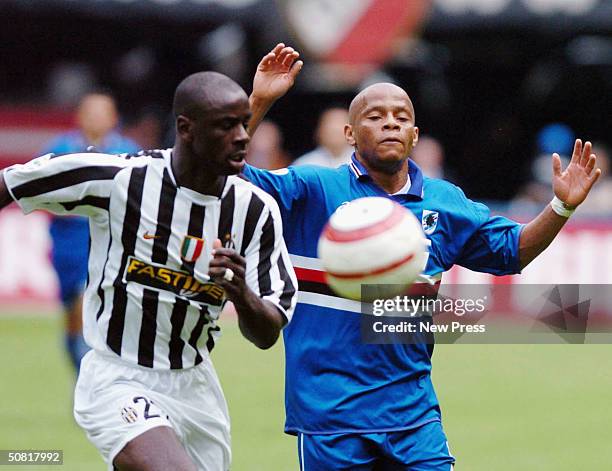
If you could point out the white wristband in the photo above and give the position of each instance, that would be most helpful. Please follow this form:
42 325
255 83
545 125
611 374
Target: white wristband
561 208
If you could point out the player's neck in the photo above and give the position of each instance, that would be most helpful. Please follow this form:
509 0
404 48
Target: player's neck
390 182
190 174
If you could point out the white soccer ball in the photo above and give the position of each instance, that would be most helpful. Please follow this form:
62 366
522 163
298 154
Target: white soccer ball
372 241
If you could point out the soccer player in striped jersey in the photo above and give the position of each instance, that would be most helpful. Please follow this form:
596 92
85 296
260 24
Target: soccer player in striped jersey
360 406
175 234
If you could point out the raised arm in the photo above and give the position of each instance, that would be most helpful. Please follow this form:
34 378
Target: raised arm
5 197
275 75
571 186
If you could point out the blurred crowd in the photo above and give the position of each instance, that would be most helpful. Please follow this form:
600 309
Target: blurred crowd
492 102
149 128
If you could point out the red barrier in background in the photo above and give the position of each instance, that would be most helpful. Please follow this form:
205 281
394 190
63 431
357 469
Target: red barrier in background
581 254
26 275
25 132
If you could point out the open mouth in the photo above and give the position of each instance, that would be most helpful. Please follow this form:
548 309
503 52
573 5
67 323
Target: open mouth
238 156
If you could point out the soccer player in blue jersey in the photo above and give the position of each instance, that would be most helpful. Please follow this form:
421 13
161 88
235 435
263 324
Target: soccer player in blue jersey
97 120
356 406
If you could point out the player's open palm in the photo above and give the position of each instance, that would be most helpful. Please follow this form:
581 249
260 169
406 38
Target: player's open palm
573 184
276 73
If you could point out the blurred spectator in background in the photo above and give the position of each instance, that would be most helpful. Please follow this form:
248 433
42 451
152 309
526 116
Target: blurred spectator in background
332 148
599 202
428 154
68 81
266 148
96 119
555 137
146 128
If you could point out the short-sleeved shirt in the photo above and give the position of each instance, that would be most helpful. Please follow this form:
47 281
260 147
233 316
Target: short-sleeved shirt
71 235
334 382
149 299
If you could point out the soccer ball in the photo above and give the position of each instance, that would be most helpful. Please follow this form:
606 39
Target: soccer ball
372 241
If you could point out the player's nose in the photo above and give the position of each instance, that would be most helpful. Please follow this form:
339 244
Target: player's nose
242 136
389 122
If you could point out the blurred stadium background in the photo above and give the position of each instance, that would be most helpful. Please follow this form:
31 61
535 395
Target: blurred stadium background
495 83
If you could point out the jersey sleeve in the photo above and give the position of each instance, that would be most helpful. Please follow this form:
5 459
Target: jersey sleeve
286 185
494 245
269 271
68 184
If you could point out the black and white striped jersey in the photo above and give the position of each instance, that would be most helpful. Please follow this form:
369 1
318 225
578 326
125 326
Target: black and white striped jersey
148 297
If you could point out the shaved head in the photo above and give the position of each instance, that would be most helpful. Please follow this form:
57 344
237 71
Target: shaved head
203 91
376 90
211 114
383 132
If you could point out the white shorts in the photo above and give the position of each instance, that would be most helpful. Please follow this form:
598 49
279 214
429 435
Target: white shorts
115 402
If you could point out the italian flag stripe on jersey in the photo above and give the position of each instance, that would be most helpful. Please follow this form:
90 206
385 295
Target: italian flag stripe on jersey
192 248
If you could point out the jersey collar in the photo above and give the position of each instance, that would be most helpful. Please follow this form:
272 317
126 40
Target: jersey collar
194 195
415 191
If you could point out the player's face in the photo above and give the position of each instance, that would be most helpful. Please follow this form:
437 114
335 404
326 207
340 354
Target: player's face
97 115
383 130
219 137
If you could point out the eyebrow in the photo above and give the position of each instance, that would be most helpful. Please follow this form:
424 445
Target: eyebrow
228 120
396 108
234 116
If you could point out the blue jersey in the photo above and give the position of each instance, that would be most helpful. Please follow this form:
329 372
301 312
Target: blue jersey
334 382
70 234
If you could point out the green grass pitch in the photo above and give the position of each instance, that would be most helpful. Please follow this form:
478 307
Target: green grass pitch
511 407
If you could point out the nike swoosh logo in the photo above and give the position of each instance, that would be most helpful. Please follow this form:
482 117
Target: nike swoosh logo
148 236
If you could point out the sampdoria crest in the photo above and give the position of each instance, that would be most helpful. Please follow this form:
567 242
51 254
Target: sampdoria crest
429 221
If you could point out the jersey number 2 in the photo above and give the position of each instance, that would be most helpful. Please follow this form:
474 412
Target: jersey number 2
147 406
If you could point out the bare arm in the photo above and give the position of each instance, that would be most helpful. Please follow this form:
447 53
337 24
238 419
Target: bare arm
5 197
538 234
259 320
571 187
275 75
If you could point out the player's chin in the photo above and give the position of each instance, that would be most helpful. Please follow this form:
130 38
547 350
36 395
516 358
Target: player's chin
388 164
391 157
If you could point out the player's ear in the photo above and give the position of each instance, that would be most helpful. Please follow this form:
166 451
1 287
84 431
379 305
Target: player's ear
348 134
184 127
415 138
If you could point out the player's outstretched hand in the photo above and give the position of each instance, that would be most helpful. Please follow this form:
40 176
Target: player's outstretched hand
227 269
573 184
276 73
